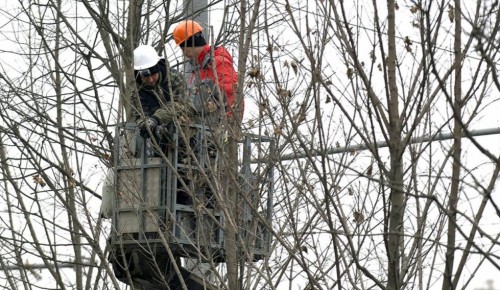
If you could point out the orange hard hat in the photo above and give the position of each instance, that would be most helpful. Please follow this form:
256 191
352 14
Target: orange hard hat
185 29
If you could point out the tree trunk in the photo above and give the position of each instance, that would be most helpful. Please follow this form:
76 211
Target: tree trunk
457 150
396 213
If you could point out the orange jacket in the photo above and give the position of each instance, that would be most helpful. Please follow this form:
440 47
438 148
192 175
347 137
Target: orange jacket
226 79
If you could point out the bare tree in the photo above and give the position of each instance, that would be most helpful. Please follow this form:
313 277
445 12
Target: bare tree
345 88
66 81
351 75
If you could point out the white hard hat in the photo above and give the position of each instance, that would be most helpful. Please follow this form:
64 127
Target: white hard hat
145 56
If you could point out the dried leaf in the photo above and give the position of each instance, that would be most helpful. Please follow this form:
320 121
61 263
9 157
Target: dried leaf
451 13
262 107
369 170
350 191
39 180
284 93
373 57
287 7
254 72
295 67
358 217
379 66
350 72
408 43
414 9
278 130
302 118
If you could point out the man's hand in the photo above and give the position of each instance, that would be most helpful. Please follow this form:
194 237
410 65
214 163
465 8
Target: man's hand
162 131
149 123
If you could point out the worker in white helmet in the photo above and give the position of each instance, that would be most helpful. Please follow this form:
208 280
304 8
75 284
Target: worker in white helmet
161 91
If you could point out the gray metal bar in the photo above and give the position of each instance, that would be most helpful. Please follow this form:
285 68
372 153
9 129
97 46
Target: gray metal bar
270 197
421 139
29 267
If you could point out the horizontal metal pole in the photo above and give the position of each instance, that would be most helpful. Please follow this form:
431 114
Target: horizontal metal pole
421 139
59 265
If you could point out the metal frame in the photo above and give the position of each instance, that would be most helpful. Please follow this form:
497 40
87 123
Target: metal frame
135 225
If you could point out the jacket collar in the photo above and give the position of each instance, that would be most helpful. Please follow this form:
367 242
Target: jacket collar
203 54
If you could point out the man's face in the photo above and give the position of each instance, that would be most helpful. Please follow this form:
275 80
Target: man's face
150 80
190 52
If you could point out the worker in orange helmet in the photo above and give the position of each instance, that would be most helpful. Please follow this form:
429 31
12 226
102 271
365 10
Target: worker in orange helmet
188 35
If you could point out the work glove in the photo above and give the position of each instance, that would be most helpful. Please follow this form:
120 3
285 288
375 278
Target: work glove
162 131
150 123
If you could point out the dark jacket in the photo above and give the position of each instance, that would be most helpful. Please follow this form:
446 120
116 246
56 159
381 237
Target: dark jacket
170 87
